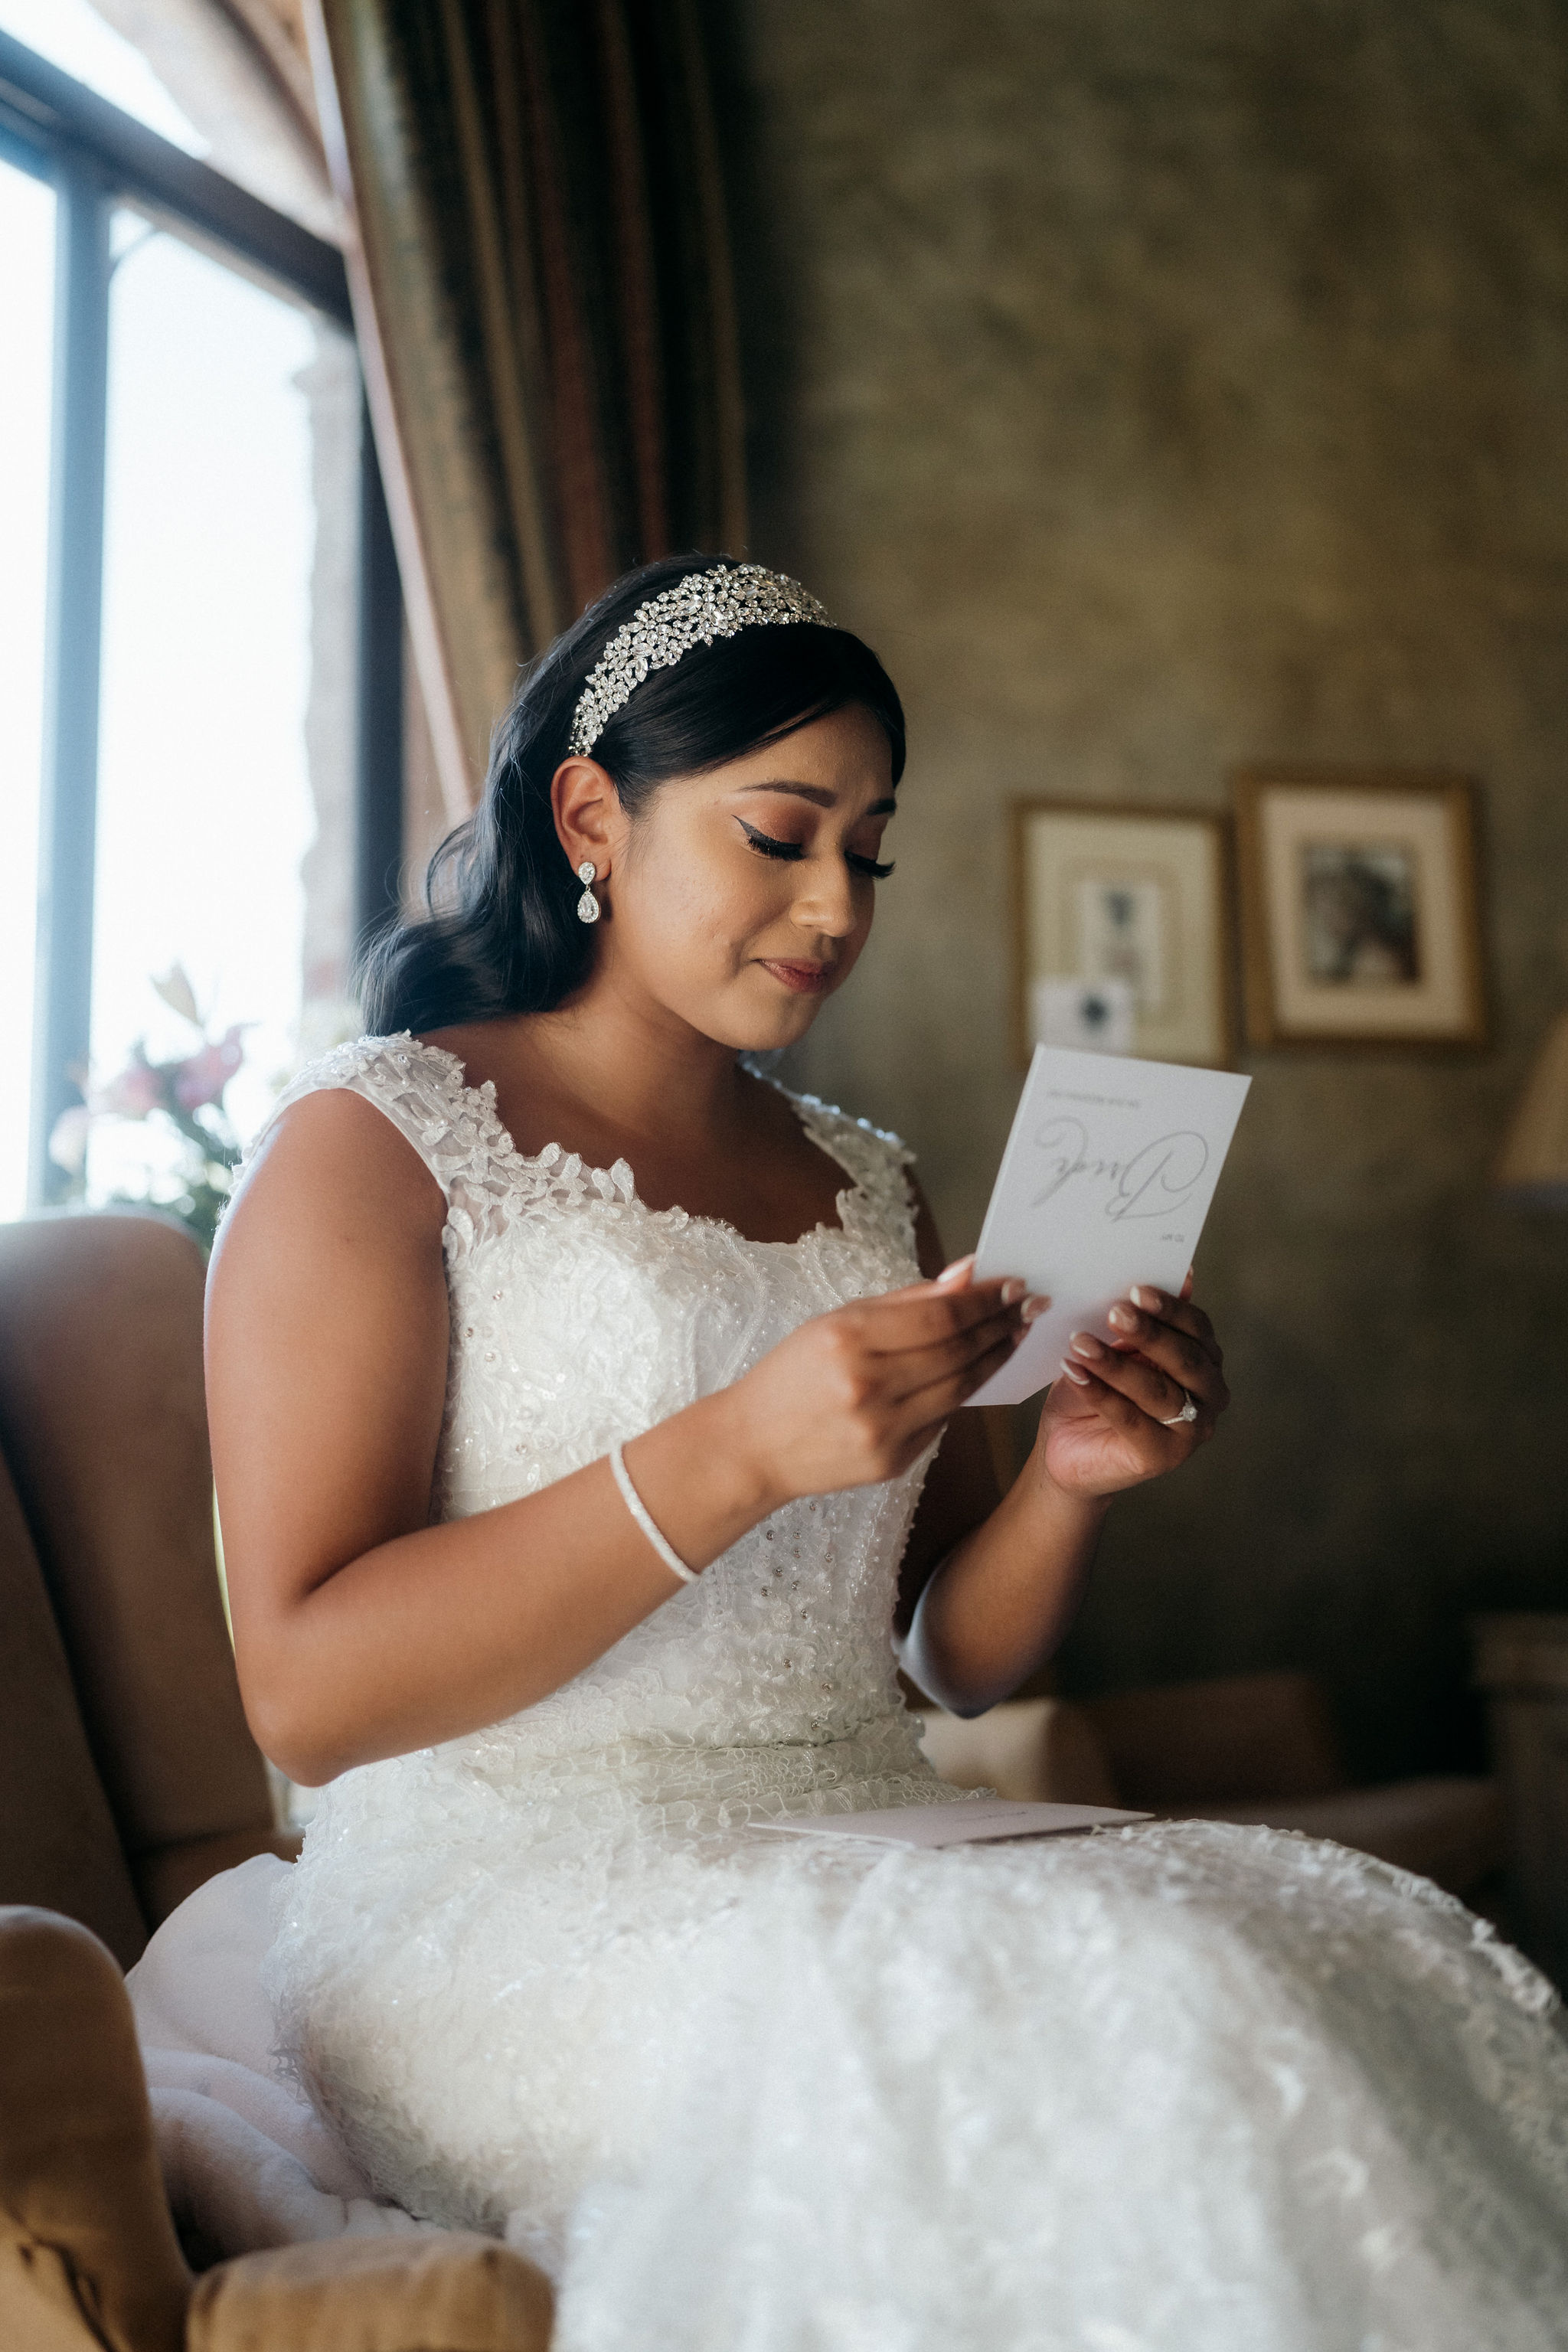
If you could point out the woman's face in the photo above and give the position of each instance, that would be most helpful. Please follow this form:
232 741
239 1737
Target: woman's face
739 899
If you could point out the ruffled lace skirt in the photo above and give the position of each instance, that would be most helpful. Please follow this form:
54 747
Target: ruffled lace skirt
1190 2088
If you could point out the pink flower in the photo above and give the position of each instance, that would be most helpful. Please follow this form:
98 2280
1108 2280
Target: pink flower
202 1078
138 1090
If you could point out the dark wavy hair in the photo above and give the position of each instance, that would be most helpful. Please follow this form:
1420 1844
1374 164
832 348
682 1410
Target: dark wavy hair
500 934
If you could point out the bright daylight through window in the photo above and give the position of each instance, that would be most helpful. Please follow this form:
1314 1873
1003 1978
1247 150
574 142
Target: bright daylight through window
219 828
26 292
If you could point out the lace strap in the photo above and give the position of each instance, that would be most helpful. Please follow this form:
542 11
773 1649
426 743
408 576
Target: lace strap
877 1161
420 1090
458 1133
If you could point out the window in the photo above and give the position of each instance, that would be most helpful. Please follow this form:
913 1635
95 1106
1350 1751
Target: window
200 630
27 291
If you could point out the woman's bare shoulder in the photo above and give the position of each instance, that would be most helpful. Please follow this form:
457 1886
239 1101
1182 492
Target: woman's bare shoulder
332 1164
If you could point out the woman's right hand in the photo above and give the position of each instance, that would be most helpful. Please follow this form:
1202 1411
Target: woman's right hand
856 1396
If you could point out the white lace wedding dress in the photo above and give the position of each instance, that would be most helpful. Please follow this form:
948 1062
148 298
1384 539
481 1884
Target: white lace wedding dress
1189 2088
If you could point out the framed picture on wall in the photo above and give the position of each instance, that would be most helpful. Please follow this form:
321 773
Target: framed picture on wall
1122 935
1360 914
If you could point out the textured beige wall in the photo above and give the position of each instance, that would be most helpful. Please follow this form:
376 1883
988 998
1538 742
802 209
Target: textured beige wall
1161 388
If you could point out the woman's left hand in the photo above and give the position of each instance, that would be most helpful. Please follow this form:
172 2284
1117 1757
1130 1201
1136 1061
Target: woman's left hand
1109 1421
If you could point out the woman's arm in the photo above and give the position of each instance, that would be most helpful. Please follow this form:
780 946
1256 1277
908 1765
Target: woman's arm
361 1631
989 1589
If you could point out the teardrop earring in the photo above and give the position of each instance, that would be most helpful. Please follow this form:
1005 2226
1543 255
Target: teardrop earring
588 904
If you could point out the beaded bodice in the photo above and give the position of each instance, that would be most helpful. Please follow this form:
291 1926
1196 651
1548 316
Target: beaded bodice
580 1316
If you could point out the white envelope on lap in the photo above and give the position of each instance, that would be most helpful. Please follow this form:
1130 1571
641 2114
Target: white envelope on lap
973 1820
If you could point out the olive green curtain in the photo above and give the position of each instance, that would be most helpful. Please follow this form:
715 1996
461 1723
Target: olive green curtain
541 285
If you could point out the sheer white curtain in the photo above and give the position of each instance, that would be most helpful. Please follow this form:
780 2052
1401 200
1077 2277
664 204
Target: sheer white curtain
240 71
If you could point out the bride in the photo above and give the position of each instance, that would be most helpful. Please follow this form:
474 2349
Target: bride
584 1414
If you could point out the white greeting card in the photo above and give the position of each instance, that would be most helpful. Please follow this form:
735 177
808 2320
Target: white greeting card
972 1822
1106 1182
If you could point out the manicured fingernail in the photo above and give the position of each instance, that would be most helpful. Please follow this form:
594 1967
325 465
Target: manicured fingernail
1075 1372
1123 1317
1012 1291
1084 1343
957 1270
1031 1307
1147 1299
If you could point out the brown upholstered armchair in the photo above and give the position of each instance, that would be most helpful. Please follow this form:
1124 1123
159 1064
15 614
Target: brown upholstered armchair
127 1778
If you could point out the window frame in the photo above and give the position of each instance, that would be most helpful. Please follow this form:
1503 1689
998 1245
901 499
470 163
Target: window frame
95 157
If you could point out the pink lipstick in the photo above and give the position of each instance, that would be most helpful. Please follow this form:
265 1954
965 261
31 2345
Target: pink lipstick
805 979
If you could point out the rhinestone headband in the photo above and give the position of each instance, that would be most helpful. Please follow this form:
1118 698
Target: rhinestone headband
702 606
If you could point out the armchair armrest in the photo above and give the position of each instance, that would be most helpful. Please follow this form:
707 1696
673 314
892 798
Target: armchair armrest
88 2257
450 2293
1043 1750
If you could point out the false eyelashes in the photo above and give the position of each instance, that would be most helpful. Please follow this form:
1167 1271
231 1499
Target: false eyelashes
767 845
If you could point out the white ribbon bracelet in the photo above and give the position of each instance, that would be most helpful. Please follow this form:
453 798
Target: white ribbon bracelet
634 1504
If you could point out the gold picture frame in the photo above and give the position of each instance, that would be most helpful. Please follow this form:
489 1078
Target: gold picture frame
1360 906
1107 887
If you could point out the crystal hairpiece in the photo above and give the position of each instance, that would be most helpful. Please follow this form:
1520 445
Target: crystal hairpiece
702 606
